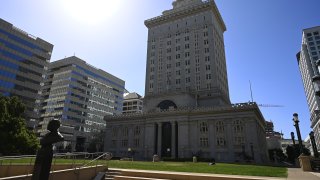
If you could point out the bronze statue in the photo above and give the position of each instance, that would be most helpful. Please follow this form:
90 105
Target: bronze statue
43 161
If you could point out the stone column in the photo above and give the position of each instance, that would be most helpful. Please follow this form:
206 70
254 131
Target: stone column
173 139
159 138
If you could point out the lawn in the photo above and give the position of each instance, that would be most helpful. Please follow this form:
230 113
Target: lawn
219 168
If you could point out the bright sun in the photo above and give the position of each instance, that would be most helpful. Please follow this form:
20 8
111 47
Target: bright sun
91 11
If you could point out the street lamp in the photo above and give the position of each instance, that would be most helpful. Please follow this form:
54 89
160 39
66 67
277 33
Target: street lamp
314 146
296 124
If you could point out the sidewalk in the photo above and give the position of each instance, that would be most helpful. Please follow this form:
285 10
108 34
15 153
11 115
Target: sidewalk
298 174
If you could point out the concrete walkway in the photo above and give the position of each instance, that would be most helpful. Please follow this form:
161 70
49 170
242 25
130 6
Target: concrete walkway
298 174
293 174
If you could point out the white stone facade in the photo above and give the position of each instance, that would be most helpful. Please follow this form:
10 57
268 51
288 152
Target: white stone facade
187 110
227 134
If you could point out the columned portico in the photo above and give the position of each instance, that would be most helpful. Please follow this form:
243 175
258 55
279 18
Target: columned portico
173 139
159 138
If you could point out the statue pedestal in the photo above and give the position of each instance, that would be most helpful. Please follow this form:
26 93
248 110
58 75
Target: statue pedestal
305 163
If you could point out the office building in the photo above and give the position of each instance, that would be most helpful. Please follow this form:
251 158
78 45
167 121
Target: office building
307 58
80 95
187 110
23 61
132 103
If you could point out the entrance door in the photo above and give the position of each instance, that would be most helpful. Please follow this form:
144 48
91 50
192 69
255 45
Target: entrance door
166 140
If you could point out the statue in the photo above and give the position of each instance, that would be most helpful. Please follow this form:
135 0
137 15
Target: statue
42 165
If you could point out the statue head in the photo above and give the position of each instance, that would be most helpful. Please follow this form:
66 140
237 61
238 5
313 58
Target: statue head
53 125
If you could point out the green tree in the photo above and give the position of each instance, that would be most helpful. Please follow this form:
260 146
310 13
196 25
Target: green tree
14 135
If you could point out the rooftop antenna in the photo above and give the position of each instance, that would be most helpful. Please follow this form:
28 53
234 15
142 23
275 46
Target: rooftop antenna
251 91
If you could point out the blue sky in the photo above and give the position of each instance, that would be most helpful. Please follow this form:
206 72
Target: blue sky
261 41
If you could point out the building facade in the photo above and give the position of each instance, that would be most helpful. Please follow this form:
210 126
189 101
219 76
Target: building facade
307 58
187 110
23 62
186 56
80 95
132 103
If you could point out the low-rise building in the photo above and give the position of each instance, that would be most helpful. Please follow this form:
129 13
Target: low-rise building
132 103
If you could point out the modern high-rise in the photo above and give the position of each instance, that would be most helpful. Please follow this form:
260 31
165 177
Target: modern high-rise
186 57
23 62
187 110
79 95
307 60
132 103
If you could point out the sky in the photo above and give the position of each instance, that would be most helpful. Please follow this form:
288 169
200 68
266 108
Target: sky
261 43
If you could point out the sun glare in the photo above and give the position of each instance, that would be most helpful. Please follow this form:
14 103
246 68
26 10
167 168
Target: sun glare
91 11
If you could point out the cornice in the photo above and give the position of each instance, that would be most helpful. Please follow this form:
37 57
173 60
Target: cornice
179 13
186 111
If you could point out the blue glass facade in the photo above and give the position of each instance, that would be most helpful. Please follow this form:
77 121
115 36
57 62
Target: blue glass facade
20 53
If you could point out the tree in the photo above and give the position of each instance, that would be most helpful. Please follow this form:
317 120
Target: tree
293 152
14 135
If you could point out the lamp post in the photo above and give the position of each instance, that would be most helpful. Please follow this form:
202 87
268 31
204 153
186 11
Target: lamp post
296 124
314 146
292 137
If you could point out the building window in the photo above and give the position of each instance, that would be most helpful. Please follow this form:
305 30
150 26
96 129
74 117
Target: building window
186 38
207 58
239 140
124 143
208 76
125 132
188 80
207 67
114 132
204 142
238 126
186 46
206 50
203 127
137 131
136 142
220 127
221 141
178 81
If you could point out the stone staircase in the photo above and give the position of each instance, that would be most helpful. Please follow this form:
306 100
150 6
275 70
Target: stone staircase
112 174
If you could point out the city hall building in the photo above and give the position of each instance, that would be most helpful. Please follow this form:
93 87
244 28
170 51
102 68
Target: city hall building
187 109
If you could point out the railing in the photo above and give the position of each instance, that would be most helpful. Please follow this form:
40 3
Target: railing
77 161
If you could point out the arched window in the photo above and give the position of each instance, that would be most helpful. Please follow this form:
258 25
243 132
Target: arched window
238 126
203 127
220 127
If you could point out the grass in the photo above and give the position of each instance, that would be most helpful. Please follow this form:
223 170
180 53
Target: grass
219 168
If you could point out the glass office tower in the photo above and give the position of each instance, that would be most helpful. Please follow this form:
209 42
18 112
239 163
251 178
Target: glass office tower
23 62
